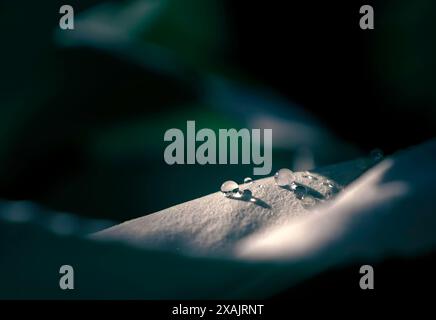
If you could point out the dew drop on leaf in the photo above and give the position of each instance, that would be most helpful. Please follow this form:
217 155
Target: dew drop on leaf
284 177
248 180
230 188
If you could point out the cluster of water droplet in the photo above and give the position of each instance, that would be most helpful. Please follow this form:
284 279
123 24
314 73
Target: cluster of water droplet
231 189
286 179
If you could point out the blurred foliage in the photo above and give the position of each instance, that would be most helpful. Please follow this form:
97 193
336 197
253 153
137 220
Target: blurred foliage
406 40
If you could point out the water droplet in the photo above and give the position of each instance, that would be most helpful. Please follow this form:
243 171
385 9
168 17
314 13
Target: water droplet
309 176
376 155
230 188
328 184
284 177
333 189
248 180
300 192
